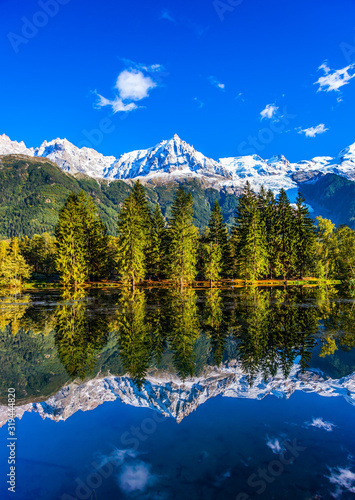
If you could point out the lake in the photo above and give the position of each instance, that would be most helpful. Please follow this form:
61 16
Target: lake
236 393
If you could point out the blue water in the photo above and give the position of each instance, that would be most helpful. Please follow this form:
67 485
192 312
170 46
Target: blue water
212 454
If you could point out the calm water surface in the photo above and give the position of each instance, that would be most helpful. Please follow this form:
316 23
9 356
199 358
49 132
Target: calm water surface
162 394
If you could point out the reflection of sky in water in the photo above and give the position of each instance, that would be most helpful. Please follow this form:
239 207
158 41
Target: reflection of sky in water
297 448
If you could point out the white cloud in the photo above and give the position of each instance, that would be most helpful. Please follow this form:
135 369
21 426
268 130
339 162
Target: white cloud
269 111
321 424
313 131
148 68
216 83
334 79
133 85
117 104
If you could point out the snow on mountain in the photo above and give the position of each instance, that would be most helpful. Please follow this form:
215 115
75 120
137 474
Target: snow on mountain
73 160
9 147
174 159
174 398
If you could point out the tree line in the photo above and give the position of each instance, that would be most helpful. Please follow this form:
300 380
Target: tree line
270 239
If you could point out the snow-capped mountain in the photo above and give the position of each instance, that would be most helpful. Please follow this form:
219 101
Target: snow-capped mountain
73 160
175 160
169 158
9 147
174 398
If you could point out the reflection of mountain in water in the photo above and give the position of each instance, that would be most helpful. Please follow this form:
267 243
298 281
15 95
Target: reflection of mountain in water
175 348
175 398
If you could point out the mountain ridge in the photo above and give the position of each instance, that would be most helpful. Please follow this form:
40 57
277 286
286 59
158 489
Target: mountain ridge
176 160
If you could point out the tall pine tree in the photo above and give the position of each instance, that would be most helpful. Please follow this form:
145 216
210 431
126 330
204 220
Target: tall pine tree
71 259
156 244
131 242
182 240
96 239
249 237
285 236
218 236
304 238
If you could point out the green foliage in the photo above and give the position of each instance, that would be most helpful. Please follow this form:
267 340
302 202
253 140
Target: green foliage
218 235
212 261
326 249
72 259
156 244
95 237
132 241
305 240
249 238
285 236
13 267
40 252
182 240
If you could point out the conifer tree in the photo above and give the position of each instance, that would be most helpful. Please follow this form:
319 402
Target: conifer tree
71 260
218 235
285 235
131 242
304 237
249 234
212 261
182 240
267 204
326 249
95 233
156 244
138 194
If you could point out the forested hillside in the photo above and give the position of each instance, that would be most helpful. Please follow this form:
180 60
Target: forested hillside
33 190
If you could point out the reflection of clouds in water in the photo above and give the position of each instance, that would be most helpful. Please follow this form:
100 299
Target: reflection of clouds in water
132 475
222 477
135 477
117 457
321 424
275 445
344 479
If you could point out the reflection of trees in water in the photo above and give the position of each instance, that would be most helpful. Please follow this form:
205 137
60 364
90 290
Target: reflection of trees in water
81 333
182 330
135 345
12 312
276 327
216 323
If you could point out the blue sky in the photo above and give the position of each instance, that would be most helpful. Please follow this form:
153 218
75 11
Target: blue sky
230 77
